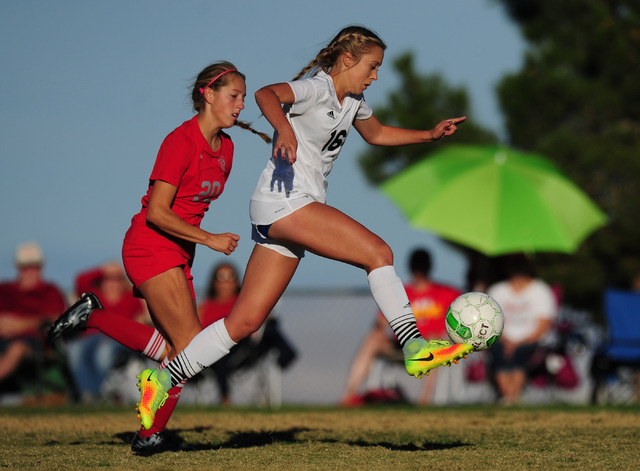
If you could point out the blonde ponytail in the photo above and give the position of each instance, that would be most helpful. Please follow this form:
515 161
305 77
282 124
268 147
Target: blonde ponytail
356 40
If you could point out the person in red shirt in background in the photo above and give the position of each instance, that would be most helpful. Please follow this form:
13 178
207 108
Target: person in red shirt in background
222 292
27 305
429 302
92 355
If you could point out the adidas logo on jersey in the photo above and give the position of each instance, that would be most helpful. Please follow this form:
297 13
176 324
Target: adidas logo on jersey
331 115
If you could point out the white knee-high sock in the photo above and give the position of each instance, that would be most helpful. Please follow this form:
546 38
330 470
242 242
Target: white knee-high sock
391 297
204 350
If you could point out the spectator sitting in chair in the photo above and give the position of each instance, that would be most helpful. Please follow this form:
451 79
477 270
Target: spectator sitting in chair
92 355
222 292
224 286
27 305
430 302
530 309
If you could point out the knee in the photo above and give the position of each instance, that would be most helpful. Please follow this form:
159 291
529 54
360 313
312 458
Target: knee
381 255
241 327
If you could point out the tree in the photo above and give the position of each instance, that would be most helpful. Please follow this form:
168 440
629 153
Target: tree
577 100
420 103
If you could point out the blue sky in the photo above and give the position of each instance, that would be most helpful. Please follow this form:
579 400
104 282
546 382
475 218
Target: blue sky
89 90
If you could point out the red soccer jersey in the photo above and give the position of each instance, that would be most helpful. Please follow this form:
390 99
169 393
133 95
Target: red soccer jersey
186 161
430 308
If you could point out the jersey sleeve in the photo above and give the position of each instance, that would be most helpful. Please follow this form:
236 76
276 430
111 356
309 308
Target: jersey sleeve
172 160
364 110
305 92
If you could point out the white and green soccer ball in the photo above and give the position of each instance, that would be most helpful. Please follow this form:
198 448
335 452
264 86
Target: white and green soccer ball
476 319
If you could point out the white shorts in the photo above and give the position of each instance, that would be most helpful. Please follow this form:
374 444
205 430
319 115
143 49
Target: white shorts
265 213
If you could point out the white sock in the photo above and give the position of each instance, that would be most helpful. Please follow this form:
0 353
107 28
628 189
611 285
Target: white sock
204 350
392 300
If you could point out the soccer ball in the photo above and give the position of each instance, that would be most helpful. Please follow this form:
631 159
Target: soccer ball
476 319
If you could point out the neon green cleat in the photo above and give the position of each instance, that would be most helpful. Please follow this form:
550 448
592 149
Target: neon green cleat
421 356
153 394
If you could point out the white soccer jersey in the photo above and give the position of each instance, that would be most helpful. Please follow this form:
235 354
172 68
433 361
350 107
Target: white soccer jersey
321 126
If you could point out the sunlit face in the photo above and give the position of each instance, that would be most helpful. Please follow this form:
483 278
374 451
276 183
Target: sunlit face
365 71
229 101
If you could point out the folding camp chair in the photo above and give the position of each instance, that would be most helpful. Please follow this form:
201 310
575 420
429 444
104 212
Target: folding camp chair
616 363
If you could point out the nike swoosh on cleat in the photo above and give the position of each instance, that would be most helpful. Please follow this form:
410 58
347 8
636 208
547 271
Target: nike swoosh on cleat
429 358
149 378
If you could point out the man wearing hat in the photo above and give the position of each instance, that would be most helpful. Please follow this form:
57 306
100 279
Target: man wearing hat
26 305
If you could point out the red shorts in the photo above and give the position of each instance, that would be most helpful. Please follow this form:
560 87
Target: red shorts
142 263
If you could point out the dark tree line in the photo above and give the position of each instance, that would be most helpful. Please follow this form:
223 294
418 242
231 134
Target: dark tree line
576 100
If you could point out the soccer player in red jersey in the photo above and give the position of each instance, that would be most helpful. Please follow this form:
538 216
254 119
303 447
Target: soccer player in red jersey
191 170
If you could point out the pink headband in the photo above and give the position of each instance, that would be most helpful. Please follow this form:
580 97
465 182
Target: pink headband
216 78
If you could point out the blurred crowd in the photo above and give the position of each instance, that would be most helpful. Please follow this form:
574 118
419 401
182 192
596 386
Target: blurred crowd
543 344
78 367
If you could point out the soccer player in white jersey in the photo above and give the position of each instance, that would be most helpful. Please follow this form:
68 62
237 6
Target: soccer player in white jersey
312 116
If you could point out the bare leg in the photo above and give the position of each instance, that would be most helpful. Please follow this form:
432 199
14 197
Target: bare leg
328 232
375 344
502 380
267 275
519 379
172 308
511 384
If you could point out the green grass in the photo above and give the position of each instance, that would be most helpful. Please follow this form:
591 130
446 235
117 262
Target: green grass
389 438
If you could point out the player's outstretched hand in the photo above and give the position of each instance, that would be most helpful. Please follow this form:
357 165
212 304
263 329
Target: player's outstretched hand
447 127
225 243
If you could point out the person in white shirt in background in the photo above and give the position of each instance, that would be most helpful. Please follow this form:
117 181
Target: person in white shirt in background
530 309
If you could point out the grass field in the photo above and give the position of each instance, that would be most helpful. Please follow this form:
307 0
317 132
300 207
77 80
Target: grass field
390 438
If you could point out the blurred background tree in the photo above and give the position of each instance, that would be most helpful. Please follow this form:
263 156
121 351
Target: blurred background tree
577 100
420 102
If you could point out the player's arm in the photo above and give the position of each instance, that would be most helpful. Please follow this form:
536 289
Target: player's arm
160 214
270 100
13 324
544 326
376 133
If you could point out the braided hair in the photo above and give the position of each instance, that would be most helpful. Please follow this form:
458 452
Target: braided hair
215 76
356 40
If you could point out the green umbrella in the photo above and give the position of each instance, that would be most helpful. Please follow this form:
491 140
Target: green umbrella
496 200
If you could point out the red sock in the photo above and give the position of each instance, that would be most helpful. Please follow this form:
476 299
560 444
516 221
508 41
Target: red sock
164 413
131 334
